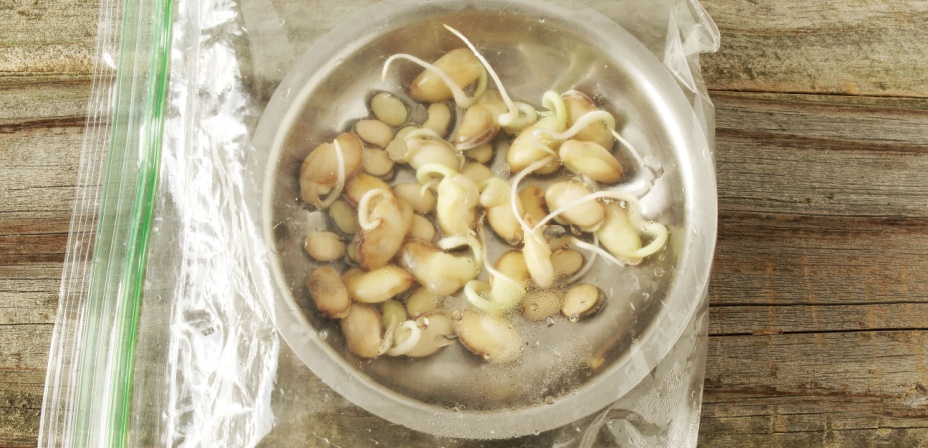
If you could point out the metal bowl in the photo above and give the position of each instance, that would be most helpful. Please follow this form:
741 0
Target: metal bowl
568 370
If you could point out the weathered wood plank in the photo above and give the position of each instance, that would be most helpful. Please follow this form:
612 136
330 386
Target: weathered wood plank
766 259
885 364
831 46
774 319
20 405
55 36
28 301
31 101
40 163
822 389
27 347
745 420
843 157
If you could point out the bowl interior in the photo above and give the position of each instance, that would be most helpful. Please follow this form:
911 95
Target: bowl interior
567 370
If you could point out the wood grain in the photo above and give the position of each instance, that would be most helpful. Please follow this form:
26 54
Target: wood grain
55 36
819 294
849 156
832 46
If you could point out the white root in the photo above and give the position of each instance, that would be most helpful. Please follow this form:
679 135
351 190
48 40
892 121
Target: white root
553 102
579 104
436 333
410 342
364 208
538 258
642 166
459 241
619 232
339 180
513 192
508 118
456 198
440 272
580 124
597 250
589 262
460 97
565 196
505 292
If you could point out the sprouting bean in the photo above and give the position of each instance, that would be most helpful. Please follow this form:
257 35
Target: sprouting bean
422 301
421 199
319 173
578 105
461 65
564 195
360 185
379 284
477 172
591 160
382 231
435 327
481 154
533 202
439 272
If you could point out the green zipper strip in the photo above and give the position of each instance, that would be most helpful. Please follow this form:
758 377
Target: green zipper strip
107 358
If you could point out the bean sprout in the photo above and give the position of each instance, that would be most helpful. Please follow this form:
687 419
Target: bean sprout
508 118
364 206
460 97
339 180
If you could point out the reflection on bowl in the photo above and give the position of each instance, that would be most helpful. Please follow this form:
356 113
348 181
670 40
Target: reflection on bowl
568 370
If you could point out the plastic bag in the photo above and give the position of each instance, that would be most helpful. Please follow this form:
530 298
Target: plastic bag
170 321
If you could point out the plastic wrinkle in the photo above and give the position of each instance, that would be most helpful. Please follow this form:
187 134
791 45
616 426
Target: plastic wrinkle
222 358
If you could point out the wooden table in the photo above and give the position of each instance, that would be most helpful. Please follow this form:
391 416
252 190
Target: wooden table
819 296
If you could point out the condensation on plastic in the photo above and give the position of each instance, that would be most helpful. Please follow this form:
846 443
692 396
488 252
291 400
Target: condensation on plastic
209 369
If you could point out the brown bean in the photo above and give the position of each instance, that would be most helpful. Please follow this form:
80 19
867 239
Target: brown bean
363 330
328 292
582 301
460 65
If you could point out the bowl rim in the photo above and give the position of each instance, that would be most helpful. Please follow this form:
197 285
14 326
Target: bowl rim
384 402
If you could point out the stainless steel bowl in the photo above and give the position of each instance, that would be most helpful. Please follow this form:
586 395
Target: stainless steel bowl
535 47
